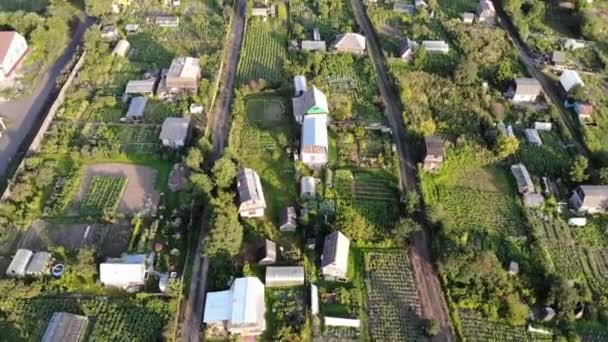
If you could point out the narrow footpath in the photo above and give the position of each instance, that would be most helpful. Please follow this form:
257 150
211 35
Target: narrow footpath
195 303
429 288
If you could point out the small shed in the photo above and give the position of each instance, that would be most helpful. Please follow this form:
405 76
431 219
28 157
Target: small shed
577 221
196 108
18 265
137 108
533 137
66 327
287 219
433 158
341 322
569 79
299 83
307 187
533 200
131 28
141 87
543 126
277 276
166 21
402 6
109 32
583 110
122 48
436 46
524 181
513 268
468 17
558 58
268 253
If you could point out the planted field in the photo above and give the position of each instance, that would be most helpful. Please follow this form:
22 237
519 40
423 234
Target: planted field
552 158
119 320
392 298
477 328
264 52
103 194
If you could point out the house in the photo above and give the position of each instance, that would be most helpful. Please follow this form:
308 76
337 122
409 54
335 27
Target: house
533 200
137 108
174 132
486 12
590 199
533 137
178 177
524 181
407 49
109 32
314 148
436 46
403 6
351 43
12 50
251 196
526 90
433 158
122 48
19 263
277 276
334 261
183 75
307 187
288 219
513 268
312 101
131 28
468 17
583 110
66 327
166 21
570 79
127 272
140 87
558 58
341 322
239 310
268 253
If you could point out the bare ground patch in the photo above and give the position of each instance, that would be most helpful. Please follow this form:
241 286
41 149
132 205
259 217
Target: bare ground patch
140 193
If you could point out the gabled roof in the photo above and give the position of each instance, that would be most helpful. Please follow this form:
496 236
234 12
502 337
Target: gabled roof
407 45
524 181
250 187
312 101
243 304
39 264
434 145
6 38
314 132
335 250
19 263
175 129
486 8
570 79
350 42
287 216
527 87
184 67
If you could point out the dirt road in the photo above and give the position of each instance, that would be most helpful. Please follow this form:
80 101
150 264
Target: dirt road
429 288
193 310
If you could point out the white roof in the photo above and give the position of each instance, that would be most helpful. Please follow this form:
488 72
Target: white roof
435 45
125 271
243 304
569 79
335 251
314 299
250 188
186 67
307 184
140 86
285 274
175 129
39 264
350 41
542 126
532 136
314 131
311 45
577 221
121 48
342 322
19 263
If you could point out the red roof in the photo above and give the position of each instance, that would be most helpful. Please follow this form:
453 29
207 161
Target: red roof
6 38
584 109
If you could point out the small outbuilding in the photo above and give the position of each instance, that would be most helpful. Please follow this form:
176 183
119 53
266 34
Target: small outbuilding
39 265
513 268
141 87
314 299
577 221
526 90
307 187
436 46
591 199
351 43
251 195
433 158
66 327
277 276
486 12
122 48
543 126
174 132
127 271
109 32
558 58
583 110
468 17
407 48
334 260
403 6
341 322
137 107
569 79
166 21
547 314
524 181
533 137
131 28
268 253
288 219
19 263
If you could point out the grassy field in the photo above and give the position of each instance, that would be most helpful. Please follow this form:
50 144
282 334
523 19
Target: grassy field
478 329
264 52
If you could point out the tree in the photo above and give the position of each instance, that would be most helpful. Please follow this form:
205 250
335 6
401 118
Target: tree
405 229
505 72
96 8
202 184
516 311
507 146
431 327
603 175
226 233
466 72
194 159
343 107
578 170
428 127
224 172
352 224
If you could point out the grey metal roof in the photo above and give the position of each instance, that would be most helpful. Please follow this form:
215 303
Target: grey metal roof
175 129
527 87
137 106
39 264
140 86
250 187
65 327
312 97
19 263
524 181
269 253
335 249
594 195
287 217
434 145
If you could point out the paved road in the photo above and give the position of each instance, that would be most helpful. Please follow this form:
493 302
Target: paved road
550 88
429 288
193 311
25 114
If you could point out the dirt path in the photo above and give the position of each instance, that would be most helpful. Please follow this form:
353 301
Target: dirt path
427 281
140 192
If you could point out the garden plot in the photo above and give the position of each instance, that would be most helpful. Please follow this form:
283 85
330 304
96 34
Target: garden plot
338 17
479 329
102 195
552 158
139 193
286 310
264 52
392 298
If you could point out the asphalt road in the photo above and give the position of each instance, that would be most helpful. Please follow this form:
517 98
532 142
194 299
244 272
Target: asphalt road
193 311
432 302
25 114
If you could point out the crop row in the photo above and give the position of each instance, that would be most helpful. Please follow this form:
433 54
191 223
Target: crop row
263 52
477 328
103 193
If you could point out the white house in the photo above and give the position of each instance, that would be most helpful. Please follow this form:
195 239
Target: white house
251 195
239 310
174 132
526 90
591 199
314 147
126 271
334 261
570 79
12 49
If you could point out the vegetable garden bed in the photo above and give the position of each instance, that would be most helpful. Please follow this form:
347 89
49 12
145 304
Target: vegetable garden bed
103 195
